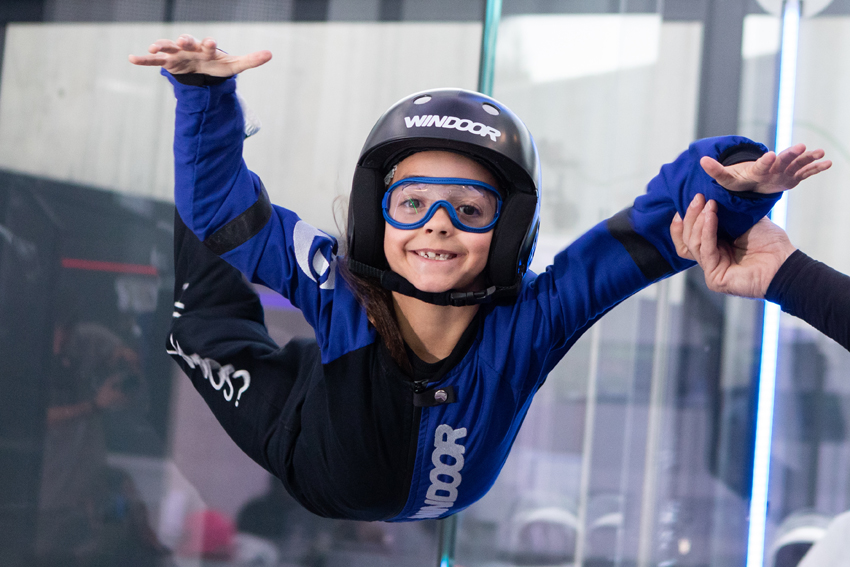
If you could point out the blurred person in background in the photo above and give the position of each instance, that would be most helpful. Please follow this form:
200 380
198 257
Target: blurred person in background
82 500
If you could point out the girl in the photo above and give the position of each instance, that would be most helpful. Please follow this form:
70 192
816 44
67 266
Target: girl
431 337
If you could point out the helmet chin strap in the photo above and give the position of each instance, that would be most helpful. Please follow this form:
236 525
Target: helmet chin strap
392 281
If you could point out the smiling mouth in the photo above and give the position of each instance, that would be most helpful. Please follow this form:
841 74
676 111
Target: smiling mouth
435 255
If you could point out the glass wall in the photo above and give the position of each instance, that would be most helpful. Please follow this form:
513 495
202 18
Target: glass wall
109 456
638 450
808 486
616 463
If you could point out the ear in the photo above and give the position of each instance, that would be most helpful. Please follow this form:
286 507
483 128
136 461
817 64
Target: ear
365 219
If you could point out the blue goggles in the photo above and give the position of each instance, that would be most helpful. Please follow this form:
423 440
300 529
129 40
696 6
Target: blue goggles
473 206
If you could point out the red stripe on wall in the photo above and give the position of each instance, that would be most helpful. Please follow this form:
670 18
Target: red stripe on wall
100 266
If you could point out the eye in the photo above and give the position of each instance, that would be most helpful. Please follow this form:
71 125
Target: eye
469 210
412 205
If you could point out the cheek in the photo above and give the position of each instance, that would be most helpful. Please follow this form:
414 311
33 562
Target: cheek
393 246
479 249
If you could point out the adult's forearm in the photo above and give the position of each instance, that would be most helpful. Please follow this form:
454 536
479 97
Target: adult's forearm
816 293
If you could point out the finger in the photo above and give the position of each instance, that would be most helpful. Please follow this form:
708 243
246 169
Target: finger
763 165
802 161
694 242
169 47
691 215
251 61
676 228
787 156
164 45
208 47
188 42
805 160
709 252
148 60
813 169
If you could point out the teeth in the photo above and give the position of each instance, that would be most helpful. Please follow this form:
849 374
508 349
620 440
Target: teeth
435 256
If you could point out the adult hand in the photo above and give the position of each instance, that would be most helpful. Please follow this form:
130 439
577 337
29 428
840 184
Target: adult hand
745 267
770 173
188 55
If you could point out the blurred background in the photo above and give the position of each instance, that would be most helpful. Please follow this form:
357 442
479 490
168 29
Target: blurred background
639 449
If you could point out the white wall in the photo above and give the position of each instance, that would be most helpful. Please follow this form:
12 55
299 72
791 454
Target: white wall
72 108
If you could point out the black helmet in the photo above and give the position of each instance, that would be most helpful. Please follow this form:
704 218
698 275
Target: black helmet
471 124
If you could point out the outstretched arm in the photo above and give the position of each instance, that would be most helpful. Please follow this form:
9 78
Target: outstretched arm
188 55
226 205
634 248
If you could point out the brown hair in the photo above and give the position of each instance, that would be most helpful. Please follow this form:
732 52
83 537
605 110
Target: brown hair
377 301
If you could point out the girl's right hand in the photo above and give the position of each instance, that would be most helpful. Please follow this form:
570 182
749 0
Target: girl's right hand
188 55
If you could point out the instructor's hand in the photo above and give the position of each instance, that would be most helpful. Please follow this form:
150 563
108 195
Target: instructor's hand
770 173
745 267
188 55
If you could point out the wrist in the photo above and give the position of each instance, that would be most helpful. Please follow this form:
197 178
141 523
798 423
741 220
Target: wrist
198 79
786 251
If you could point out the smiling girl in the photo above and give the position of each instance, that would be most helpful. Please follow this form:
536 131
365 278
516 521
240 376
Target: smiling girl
431 335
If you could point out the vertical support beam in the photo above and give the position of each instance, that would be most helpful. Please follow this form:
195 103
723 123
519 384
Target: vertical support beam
448 534
487 64
587 442
791 12
168 11
721 68
654 426
492 14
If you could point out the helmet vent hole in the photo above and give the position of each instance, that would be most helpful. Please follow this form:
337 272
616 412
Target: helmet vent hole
490 109
422 99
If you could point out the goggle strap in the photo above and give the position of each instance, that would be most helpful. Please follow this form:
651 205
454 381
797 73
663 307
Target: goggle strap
364 270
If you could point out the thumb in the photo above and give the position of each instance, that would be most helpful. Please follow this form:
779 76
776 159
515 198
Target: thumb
251 61
714 169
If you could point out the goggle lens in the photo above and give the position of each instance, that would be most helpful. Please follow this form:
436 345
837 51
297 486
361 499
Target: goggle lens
472 205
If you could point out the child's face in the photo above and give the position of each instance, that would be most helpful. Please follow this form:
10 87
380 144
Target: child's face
462 255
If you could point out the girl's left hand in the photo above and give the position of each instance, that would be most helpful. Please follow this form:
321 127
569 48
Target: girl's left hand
770 173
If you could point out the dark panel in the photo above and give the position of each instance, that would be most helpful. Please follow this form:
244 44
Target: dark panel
836 8
389 11
512 7
21 10
310 10
444 11
96 267
685 10
720 79
28 266
103 11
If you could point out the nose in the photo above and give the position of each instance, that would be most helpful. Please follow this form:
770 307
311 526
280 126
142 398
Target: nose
441 222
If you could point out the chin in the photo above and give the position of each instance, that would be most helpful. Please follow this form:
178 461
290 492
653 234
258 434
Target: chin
431 288
436 287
